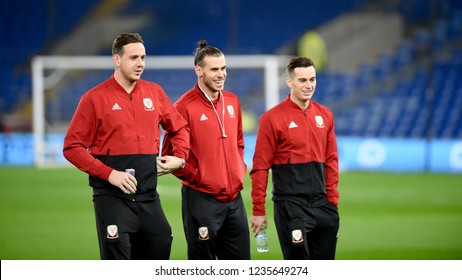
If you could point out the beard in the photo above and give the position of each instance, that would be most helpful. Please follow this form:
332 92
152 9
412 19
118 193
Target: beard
213 86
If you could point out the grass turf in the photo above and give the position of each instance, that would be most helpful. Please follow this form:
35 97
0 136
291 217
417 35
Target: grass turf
47 214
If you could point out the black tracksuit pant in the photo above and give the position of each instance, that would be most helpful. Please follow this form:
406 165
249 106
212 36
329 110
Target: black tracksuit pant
214 229
131 230
308 233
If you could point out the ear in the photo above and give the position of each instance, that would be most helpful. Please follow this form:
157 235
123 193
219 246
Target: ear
289 82
198 70
116 60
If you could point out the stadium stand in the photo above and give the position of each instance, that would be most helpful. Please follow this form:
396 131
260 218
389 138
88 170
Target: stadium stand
29 29
412 91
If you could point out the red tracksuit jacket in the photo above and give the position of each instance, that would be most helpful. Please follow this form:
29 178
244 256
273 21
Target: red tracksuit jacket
115 130
215 165
301 149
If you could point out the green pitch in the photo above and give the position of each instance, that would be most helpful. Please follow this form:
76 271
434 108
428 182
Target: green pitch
48 214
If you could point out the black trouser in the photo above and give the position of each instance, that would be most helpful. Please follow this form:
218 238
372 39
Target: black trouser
213 229
131 230
306 232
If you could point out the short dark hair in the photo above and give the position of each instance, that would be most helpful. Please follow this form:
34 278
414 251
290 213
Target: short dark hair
299 61
125 39
203 50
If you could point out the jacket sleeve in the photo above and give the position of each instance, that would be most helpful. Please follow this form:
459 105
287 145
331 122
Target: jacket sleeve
190 172
79 137
331 165
176 131
265 148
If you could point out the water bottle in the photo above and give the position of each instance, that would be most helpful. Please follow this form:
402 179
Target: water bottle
262 240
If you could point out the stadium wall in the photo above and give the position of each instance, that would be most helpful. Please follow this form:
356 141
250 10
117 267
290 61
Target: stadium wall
358 154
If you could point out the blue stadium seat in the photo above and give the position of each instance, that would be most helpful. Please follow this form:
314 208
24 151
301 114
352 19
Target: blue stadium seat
404 54
439 35
455 24
402 110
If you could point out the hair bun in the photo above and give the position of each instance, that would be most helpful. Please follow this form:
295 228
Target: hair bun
202 44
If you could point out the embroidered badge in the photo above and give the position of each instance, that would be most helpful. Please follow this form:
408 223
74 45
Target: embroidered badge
297 236
231 111
112 232
148 105
319 121
203 233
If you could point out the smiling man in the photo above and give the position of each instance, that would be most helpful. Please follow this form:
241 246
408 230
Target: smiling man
114 137
296 140
214 217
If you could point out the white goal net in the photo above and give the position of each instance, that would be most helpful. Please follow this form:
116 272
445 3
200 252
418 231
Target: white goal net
59 82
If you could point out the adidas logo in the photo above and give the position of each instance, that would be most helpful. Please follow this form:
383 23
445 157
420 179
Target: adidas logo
293 125
116 107
204 117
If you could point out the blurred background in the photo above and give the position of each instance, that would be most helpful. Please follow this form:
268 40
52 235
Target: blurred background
390 70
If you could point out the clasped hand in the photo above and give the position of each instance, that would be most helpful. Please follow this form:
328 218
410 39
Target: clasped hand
167 164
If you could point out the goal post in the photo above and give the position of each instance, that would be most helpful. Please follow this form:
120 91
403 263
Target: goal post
52 74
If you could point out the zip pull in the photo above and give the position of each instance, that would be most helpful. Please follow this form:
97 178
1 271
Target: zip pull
107 155
130 96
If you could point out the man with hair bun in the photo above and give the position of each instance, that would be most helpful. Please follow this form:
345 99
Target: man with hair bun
214 217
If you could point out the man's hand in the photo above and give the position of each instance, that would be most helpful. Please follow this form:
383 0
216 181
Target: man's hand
167 164
257 222
124 181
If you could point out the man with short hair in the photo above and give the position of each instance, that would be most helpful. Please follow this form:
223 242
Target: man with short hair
114 137
296 140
